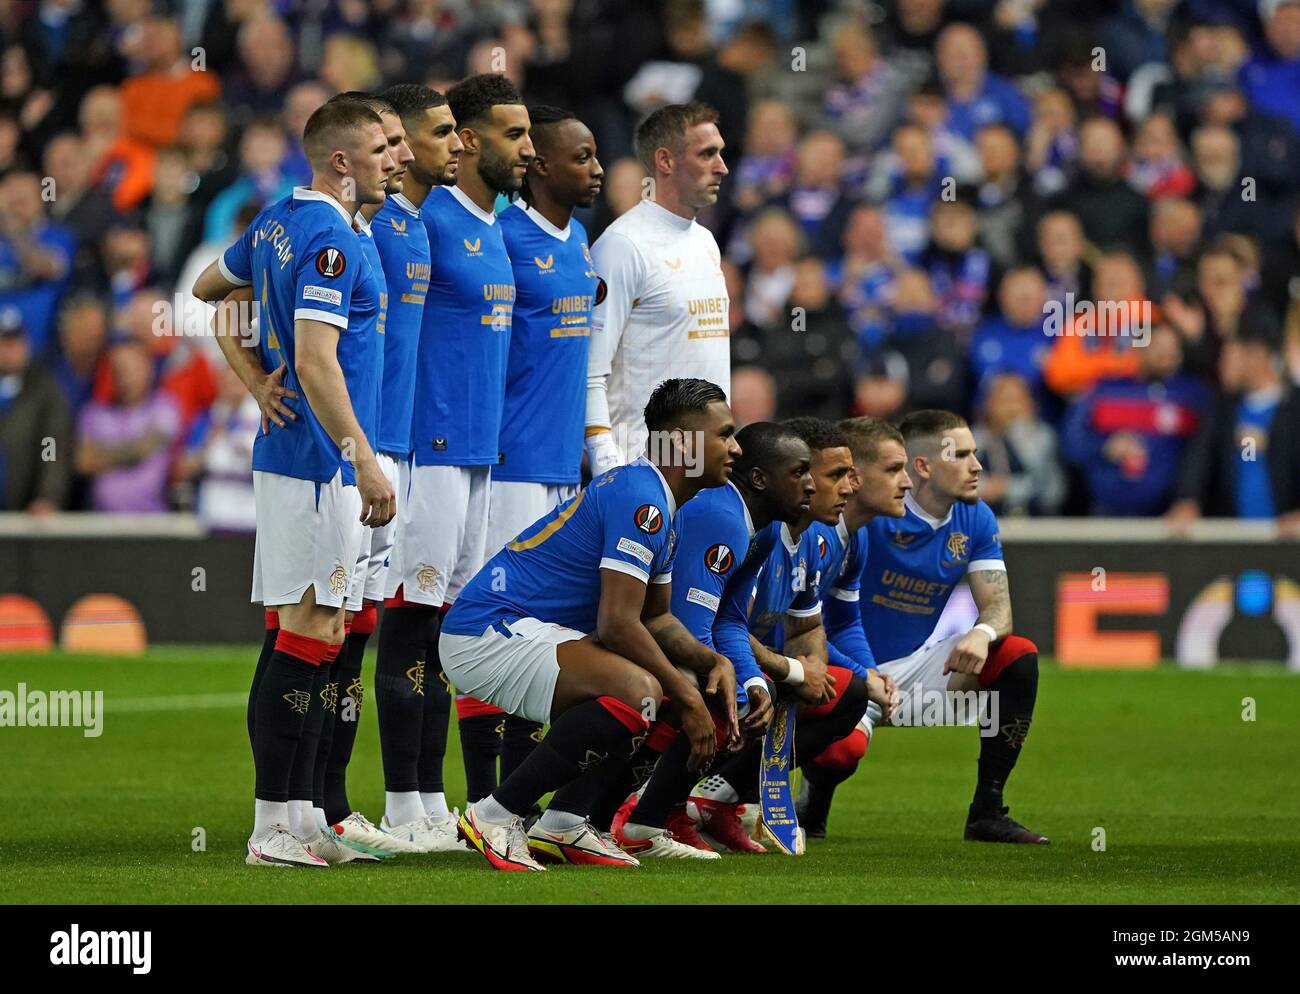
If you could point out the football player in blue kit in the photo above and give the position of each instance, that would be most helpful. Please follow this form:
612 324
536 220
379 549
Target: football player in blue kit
570 624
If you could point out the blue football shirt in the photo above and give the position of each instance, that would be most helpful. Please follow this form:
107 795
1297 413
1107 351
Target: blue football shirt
305 262
556 286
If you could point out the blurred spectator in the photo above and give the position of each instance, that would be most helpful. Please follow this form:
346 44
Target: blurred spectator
1175 236
126 256
1220 310
1271 78
1052 147
976 97
908 181
35 427
203 255
775 243
83 333
1244 462
767 168
261 154
36 257
299 105
1061 249
1158 167
753 395
1096 337
154 100
121 166
123 445
204 134
1127 434
350 63
1270 146
920 365
1281 275
80 209
1012 340
727 77
955 154
1135 35
1001 195
218 457
1085 77
168 216
1111 211
864 277
868 97
815 199
959 269
1018 451
266 68
1220 193
625 184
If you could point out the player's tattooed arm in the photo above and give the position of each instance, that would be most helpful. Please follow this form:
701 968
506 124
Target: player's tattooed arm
992 597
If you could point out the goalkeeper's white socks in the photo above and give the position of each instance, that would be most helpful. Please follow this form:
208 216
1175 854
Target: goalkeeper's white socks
321 822
716 788
302 823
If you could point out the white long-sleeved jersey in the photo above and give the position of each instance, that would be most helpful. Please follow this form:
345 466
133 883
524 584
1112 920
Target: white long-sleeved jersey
664 315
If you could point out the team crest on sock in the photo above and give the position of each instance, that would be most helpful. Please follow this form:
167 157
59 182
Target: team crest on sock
356 691
416 675
298 700
592 758
329 696
1015 732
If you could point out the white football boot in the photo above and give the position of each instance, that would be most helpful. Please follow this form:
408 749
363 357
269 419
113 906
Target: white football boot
428 834
356 831
278 847
662 845
582 846
327 846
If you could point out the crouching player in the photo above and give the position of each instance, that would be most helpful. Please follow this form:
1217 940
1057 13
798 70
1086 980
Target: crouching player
913 563
569 624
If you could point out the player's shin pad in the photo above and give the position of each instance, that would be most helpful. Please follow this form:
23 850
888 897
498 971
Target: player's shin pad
775 792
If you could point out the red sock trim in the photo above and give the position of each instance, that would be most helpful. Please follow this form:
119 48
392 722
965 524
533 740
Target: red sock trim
846 753
472 707
363 622
304 647
333 652
661 737
347 628
629 717
842 677
1002 654
272 619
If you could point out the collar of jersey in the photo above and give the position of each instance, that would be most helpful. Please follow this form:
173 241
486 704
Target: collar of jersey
749 521
307 193
925 515
539 219
401 201
668 217
487 217
364 225
789 541
842 530
668 494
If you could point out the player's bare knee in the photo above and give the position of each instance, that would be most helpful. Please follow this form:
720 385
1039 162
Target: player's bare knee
640 688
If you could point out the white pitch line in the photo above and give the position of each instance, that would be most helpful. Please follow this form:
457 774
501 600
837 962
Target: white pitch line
179 702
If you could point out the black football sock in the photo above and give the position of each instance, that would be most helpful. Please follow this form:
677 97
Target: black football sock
328 700
519 737
302 778
669 785
1017 689
812 735
822 781
268 647
435 718
580 739
283 695
400 686
347 720
741 770
480 744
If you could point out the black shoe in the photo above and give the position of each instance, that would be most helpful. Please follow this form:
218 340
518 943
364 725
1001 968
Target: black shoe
1002 828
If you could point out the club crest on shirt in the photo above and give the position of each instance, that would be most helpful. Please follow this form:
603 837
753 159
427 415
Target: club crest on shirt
426 578
591 265
719 559
338 579
649 519
958 546
330 263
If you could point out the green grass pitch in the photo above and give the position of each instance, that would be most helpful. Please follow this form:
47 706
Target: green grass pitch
1197 804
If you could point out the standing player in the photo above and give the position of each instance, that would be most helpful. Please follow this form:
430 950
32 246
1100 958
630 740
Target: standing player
542 420
459 390
912 565
316 479
880 468
570 624
665 313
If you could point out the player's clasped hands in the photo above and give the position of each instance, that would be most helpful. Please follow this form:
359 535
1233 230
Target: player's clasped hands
697 724
378 500
759 715
722 680
883 691
818 685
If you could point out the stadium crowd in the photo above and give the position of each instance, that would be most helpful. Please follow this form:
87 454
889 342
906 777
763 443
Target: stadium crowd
918 190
